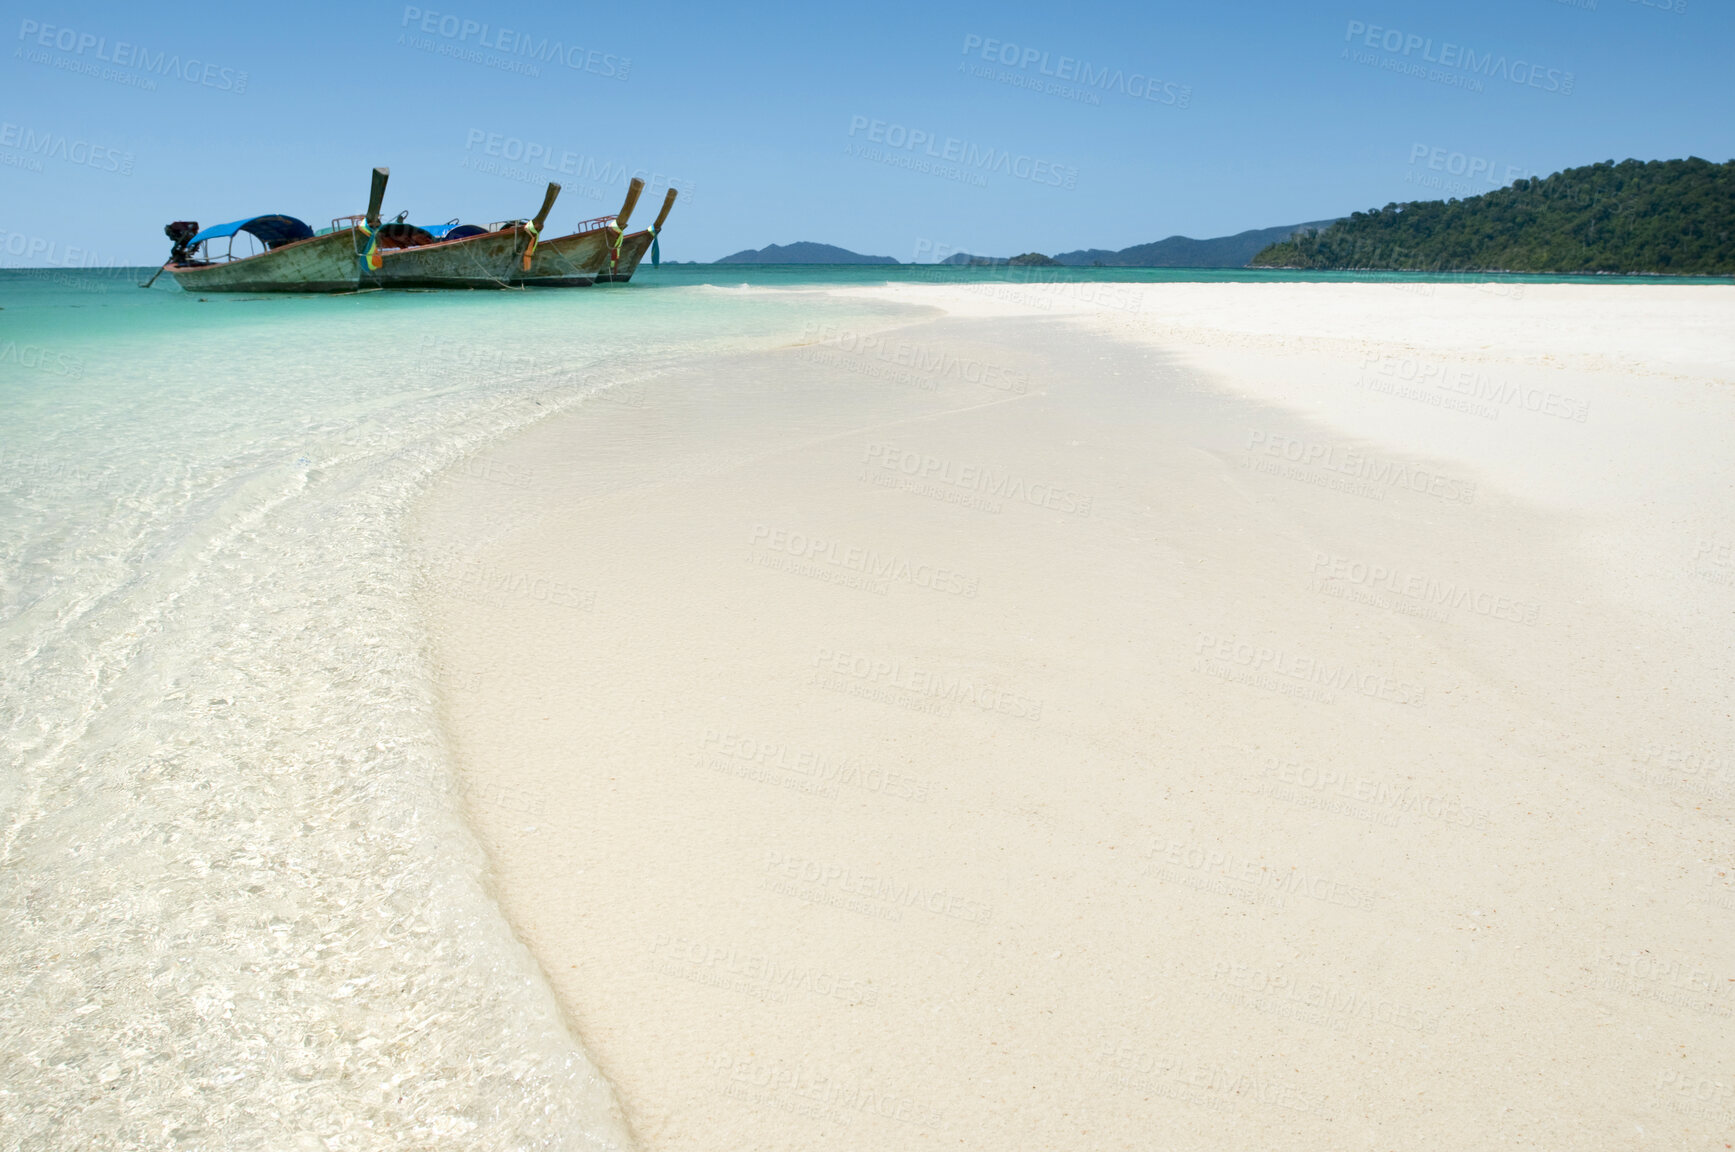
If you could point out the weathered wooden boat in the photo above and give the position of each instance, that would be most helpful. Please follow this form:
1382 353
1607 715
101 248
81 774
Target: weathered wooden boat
359 252
294 258
629 250
578 258
462 256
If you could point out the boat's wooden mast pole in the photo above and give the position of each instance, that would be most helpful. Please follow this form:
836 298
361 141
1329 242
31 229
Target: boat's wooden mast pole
370 225
668 203
535 226
634 190
377 196
620 222
657 228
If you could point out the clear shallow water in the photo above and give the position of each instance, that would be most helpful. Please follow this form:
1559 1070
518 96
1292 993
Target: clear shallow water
238 906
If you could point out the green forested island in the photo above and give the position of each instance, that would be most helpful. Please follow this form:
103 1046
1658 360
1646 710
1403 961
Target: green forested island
1667 216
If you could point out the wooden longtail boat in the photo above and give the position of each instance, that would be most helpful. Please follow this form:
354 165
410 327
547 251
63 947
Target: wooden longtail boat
629 250
361 252
474 258
578 258
294 259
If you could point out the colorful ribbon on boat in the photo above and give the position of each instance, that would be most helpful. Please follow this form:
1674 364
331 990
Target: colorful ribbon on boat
656 256
620 234
371 255
529 249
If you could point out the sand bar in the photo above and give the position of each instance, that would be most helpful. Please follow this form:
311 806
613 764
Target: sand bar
1230 716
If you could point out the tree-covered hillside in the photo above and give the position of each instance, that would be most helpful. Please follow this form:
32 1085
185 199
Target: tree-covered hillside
1670 216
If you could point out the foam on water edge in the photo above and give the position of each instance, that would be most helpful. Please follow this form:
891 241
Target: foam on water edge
239 907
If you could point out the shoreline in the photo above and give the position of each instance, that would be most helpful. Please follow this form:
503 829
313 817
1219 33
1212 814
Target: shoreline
241 893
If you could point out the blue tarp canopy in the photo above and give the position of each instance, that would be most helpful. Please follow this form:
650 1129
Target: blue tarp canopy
271 230
452 231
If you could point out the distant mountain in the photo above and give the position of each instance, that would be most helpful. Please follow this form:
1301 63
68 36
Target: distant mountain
1175 252
995 261
803 252
1185 252
1669 216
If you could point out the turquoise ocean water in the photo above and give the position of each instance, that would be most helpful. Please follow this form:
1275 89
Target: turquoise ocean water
238 905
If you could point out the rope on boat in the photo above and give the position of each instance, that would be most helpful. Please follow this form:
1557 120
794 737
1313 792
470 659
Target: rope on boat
614 259
530 249
371 255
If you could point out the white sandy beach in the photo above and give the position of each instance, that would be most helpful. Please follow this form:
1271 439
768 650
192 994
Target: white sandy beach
1196 716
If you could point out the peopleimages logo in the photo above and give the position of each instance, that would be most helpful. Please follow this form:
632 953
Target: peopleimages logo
559 162
962 153
56 147
42 252
972 478
1080 72
874 566
40 359
1450 55
1267 662
123 55
1470 167
462 32
1378 473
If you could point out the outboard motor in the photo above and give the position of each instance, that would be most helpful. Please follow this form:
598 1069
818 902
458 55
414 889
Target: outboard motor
181 233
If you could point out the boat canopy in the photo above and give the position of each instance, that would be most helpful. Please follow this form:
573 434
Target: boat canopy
271 230
453 231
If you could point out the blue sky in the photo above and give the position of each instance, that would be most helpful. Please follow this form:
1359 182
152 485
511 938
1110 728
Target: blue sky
898 129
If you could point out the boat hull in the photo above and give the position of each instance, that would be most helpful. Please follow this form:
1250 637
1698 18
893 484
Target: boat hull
328 263
572 261
634 245
332 263
488 260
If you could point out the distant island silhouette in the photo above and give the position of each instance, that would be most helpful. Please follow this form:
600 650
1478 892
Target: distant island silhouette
1174 252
